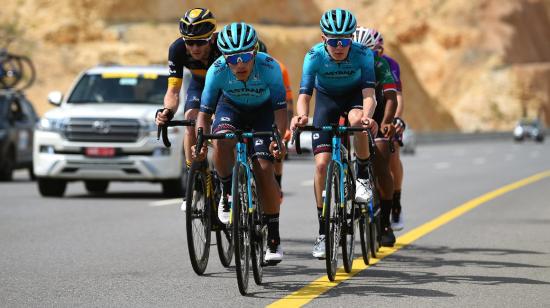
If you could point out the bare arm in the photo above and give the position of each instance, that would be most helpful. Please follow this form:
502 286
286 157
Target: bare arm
369 103
400 105
171 98
302 111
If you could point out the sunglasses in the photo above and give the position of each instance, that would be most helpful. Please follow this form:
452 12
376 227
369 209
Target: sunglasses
199 42
243 57
335 42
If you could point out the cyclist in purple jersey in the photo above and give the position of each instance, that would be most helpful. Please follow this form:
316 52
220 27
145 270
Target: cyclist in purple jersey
396 166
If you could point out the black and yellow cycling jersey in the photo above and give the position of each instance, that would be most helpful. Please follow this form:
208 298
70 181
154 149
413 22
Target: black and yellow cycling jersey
179 58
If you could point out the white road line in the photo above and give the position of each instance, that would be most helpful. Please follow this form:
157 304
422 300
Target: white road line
442 165
166 202
307 183
509 157
479 160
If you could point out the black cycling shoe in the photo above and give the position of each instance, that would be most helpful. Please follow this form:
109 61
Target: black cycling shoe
387 239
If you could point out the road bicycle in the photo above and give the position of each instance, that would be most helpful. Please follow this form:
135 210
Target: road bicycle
249 230
339 209
202 197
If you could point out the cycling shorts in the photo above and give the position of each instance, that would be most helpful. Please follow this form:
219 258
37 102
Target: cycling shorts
328 109
194 92
228 117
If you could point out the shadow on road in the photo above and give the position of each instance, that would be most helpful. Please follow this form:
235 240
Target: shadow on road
401 275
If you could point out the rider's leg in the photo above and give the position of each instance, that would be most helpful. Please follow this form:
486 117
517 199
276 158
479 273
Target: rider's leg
396 167
385 187
189 139
321 164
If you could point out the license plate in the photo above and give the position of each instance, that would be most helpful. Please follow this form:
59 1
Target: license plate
100 152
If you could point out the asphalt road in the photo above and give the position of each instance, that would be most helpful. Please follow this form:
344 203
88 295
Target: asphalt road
128 248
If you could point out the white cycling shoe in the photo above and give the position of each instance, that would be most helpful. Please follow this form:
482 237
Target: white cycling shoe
397 223
319 247
223 210
363 191
274 254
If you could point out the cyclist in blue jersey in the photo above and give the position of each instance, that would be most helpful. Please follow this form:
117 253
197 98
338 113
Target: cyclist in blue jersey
386 89
342 72
252 97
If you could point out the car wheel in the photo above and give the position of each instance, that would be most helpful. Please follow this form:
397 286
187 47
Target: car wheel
32 176
96 187
175 188
7 165
51 187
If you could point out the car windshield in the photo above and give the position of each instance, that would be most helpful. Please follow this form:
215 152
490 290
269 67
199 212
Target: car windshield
120 88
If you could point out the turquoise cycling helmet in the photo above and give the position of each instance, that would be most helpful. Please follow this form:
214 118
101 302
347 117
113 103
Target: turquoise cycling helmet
338 22
237 37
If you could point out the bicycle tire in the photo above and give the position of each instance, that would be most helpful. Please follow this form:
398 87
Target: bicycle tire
240 220
332 219
375 228
348 222
198 218
364 234
258 238
224 240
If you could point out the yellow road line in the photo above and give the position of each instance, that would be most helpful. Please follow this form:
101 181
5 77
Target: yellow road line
323 284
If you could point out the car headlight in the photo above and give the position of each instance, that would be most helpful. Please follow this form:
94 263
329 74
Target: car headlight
149 126
50 124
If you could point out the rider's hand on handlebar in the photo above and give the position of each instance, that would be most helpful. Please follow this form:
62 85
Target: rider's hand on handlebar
298 121
370 124
164 116
276 152
202 154
388 130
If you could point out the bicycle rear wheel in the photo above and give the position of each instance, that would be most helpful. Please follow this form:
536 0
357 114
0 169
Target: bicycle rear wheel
224 241
198 219
258 238
332 217
240 226
348 223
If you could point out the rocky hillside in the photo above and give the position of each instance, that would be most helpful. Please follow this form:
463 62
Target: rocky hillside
477 65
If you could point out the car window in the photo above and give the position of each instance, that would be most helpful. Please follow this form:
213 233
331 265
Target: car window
120 88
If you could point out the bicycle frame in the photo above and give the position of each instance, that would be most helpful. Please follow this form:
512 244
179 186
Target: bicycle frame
337 149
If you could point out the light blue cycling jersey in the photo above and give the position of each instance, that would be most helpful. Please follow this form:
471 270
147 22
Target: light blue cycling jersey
331 77
265 83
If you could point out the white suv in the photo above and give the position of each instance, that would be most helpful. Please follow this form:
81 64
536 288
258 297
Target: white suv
104 131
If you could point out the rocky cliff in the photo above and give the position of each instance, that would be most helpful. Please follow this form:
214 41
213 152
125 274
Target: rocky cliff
475 65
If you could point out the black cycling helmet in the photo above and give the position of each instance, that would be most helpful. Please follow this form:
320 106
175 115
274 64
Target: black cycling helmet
197 23
260 46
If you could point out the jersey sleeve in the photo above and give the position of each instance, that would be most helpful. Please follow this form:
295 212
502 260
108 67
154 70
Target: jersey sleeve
384 75
276 86
368 76
176 54
286 81
309 70
210 93
396 71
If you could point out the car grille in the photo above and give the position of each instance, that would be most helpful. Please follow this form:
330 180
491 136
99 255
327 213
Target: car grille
102 130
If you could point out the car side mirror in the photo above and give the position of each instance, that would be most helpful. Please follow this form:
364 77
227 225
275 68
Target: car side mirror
55 98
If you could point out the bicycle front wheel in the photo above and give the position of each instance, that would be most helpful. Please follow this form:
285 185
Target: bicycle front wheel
198 219
364 234
332 219
349 222
240 226
224 241
258 238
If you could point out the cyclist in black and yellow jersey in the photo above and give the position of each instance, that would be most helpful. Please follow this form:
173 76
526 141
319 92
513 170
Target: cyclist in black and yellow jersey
195 50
